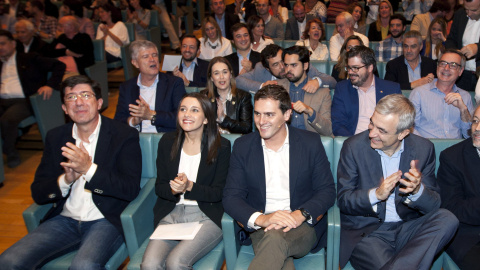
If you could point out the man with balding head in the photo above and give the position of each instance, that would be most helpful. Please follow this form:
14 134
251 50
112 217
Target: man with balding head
273 26
72 44
296 24
344 24
27 41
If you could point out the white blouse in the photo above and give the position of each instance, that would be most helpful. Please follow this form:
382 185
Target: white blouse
263 44
189 166
119 30
209 50
320 53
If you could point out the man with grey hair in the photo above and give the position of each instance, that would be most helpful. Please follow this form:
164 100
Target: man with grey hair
443 109
149 102
460 192
344 24
387 194
27 41
72 44
411 70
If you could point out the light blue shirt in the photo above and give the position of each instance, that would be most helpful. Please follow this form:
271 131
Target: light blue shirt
296 94
434 117
390 166
414 75
188 71
240 58
221 23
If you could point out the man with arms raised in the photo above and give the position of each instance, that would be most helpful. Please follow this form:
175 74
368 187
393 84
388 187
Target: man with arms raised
387 194
279 185
90 171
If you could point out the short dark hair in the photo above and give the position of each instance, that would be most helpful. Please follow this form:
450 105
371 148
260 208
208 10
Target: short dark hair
38 4
237 27
115 13
268 52
366 54
5 33
400 17
302 52
439 5
275 92
184 36
80 79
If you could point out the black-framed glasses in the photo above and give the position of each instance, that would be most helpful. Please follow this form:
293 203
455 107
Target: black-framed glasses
452 65
354 69
82 95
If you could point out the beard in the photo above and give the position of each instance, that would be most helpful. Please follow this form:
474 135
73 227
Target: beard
360 80
397 36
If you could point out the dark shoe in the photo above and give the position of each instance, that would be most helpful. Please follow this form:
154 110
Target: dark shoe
13 161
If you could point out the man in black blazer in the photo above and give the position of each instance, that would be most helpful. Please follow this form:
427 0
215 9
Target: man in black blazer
299 19
24 75
192 70
460 191
149 102
244 59
411 64
387 194
224 19
468 14
89 172
27 41
279 185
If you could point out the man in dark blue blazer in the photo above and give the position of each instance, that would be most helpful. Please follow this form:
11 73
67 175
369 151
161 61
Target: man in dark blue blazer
460 191
387 194
89 172
279 185
350 114
399 69
150 101
196 75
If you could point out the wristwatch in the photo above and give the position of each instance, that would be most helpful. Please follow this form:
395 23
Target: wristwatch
306 214
154 117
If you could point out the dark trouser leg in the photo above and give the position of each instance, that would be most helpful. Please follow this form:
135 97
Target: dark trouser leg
12 112
273 248
471 260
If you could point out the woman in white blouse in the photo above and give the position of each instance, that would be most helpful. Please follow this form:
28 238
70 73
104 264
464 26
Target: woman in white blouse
256 28
212 42
312 39
113 31
139 14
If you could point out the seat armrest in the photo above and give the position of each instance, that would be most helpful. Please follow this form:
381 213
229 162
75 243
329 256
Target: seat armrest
33 214
336 237
137 218
231 242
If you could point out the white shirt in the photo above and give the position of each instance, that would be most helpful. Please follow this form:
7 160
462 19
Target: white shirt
119 30
189 166
301 26
11 86
79 204
336 42
471 36
277 180
262 45
149 94
207 52
188 71
366 106
320 53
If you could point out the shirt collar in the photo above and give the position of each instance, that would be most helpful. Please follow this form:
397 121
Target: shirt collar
94 133
478 152
397 154
11 57
248 55
268 19
372 86
139 82
286 142
433 87
194 62
419 61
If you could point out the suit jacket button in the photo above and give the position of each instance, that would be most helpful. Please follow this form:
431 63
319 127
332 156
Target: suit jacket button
380 220
362 235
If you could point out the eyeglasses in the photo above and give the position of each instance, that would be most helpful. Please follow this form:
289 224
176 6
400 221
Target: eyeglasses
354 69
82 95
452 65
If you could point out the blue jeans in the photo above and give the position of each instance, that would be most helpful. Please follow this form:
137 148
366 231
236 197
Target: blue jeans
96 241
173 254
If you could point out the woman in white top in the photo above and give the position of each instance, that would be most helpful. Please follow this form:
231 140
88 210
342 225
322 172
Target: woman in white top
256 29
112 31
138 13
312 39
276 10
192 167
212 44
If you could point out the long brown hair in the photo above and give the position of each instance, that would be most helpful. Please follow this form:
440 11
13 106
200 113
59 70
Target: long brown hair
378 23
342 59
352 7
211 136
439 48
210 19
211 88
